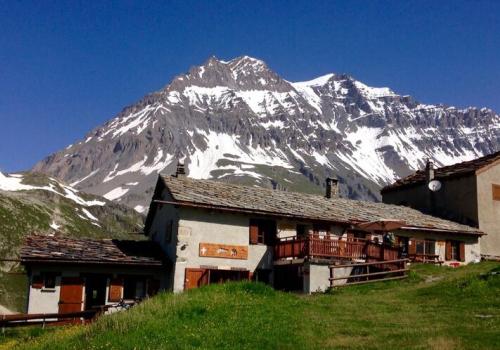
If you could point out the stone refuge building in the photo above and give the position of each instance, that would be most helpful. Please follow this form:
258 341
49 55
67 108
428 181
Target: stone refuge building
201 232
71 275
214 231
467 193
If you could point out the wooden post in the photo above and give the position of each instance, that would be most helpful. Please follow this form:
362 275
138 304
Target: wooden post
331 276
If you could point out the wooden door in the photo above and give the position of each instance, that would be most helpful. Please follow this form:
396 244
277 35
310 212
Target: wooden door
195 278
71 296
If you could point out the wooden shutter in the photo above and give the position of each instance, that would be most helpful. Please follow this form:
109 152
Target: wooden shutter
195 278
71 295
462 251
412 248
254 232
448 250
115 289
495 190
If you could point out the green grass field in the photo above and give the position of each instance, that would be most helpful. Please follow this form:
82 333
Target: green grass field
435 308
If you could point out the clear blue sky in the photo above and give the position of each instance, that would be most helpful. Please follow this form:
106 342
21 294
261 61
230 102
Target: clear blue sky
68 66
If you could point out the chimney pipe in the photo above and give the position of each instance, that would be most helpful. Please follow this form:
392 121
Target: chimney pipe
180 171
332 187
429 171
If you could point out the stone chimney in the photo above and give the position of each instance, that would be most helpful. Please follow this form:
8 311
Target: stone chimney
180 171
429 171
332 187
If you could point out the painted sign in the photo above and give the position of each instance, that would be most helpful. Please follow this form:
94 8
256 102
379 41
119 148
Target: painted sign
215 250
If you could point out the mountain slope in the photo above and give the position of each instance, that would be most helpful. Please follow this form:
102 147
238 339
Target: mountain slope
239 121
34 202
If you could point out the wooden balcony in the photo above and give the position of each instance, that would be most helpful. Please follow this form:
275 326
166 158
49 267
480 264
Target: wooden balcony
325 247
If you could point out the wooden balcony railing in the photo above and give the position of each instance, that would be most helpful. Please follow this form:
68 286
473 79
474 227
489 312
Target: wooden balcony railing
315 246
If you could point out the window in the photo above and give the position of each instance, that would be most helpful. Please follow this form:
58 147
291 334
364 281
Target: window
133 288
49 280
168 232
262 231
455 250
301 230
321 229
424 247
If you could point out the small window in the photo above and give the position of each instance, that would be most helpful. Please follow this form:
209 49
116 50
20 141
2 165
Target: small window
301 230
168 232
321 229
49 280
262 231
420 247
133 288
424 247
430 247
455 250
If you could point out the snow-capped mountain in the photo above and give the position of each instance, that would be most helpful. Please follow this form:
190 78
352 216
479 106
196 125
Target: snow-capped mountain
239 121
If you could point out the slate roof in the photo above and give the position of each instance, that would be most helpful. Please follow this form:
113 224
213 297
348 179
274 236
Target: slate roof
459 169
257 200
40 248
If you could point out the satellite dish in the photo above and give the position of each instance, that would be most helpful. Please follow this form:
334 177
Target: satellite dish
434 185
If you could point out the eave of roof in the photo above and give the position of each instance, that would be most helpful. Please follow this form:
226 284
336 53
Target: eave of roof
212 195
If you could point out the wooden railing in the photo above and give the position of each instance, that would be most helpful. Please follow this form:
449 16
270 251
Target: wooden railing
18 320
369 272
316 246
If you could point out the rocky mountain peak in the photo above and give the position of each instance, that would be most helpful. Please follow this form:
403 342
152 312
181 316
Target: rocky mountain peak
239 121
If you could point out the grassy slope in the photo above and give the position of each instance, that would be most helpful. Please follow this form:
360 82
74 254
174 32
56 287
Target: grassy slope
23 212
456 310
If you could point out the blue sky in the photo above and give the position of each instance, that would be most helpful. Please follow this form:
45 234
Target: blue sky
68 66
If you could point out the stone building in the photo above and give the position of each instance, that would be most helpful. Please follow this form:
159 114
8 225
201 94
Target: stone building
467 193
214 231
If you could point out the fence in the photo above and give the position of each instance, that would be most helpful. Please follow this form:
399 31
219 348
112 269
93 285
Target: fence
370 272
20 320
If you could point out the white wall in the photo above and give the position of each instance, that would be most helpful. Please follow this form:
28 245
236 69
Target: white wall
202 226
316 277
472 247
47 300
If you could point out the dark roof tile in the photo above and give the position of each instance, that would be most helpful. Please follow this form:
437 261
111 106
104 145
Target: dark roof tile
91 251
458 169
300 205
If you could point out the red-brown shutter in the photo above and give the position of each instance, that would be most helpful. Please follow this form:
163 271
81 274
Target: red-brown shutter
195 278
412 248
115 289
254 232
448 250
462 251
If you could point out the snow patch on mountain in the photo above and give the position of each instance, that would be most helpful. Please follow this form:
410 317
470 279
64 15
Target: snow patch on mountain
14 182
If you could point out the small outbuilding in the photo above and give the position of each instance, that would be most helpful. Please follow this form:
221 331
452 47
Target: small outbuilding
71 275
